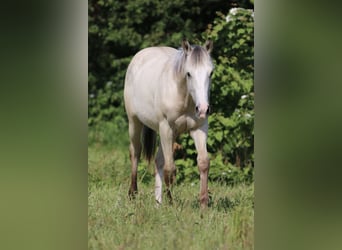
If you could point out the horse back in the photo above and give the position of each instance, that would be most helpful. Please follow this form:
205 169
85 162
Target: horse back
143 82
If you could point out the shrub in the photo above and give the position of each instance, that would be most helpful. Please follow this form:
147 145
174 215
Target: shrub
231 124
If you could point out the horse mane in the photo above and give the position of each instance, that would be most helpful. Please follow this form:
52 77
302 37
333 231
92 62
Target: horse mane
197 56
179 62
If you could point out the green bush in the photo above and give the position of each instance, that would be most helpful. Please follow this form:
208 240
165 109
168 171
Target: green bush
231 124
233 81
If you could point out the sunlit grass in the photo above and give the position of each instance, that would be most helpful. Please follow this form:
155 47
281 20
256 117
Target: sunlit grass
116 222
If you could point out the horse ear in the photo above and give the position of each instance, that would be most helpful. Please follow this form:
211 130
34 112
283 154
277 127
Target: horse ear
208 46
186 46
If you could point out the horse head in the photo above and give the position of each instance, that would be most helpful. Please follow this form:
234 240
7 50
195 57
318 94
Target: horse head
198 68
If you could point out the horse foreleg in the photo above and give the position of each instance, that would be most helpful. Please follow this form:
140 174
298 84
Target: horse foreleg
200 138
167 139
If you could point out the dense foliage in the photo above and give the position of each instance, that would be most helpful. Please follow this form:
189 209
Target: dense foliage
231 133
118 29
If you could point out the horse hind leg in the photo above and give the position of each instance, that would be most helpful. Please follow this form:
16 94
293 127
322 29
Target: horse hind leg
135 128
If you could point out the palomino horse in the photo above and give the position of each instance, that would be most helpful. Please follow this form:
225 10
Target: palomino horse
167 91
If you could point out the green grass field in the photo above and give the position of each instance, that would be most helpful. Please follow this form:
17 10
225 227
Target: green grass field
116 222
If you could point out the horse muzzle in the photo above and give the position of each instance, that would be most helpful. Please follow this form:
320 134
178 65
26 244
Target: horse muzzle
202 111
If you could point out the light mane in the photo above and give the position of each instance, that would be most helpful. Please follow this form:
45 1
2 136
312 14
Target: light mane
179 63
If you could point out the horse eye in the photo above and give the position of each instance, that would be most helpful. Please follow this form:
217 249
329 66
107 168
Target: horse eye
188 74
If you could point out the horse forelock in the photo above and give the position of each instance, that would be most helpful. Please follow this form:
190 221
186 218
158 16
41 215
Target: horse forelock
197 57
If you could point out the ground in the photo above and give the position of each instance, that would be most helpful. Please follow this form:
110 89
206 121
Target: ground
116 222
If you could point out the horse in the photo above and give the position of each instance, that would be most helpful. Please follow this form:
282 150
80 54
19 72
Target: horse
166 91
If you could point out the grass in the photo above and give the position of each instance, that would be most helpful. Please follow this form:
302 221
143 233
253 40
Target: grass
116 222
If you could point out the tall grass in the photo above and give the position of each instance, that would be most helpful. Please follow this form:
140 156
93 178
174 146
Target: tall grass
116 222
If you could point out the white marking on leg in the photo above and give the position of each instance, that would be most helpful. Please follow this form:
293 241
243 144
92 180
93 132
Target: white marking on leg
159 175
158 186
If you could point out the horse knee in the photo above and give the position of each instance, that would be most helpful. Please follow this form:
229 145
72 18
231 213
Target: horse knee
203 163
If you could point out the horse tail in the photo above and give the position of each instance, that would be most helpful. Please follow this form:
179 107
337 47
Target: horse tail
149 138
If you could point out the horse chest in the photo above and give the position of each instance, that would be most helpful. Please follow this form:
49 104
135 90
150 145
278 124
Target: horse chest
186 123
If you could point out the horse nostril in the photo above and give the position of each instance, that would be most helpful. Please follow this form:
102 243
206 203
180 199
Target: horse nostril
197 109
208 110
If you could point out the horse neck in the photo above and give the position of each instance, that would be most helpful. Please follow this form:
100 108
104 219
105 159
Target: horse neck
184 94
